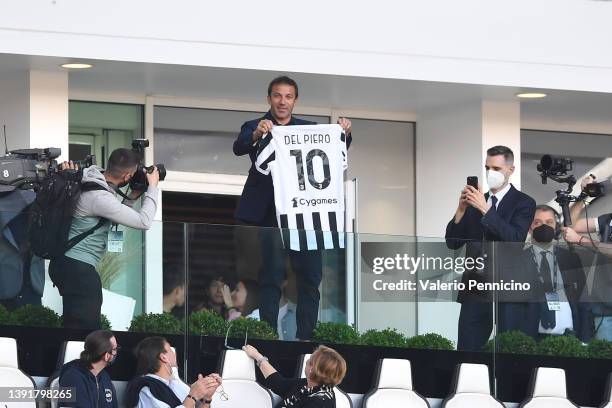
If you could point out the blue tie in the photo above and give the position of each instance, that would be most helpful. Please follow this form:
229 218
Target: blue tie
494 202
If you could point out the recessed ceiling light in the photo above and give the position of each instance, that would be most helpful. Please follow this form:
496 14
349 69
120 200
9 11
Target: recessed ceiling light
76 65
531 95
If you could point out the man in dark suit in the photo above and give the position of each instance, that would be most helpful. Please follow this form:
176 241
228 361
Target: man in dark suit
557 281
503 214
256 207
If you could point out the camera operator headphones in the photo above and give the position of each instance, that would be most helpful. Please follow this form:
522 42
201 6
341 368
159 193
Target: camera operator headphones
557 218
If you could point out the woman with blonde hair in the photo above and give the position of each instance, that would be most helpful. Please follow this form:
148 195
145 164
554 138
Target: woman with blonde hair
324 370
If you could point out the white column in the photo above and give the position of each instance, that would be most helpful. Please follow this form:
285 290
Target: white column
34 107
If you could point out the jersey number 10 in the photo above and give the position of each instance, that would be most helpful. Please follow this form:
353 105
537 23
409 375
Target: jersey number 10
299 163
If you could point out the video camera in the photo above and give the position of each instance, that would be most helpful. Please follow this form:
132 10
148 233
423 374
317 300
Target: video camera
27 168
139 182
557 169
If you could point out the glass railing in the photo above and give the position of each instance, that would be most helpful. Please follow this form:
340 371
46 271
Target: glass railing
208 287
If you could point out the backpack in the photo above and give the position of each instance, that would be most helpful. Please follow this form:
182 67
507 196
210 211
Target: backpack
52 211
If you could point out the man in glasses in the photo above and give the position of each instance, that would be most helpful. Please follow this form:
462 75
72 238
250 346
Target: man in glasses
87 375
158 384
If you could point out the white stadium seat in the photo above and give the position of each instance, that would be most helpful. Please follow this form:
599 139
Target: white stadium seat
547 389
393 386
342 399
71 350
8 352
10 374
471 388
239 383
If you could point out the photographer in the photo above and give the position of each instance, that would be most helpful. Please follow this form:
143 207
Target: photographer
601 225
75 273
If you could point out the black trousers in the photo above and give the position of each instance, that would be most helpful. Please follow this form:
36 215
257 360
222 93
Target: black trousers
27 296
475 325
308 266
81 290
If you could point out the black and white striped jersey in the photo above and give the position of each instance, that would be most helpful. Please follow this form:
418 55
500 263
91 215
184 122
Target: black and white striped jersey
307 164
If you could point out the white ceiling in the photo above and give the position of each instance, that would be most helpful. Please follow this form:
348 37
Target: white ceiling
326 91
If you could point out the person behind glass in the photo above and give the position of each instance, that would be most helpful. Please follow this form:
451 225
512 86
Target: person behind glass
503 214
218 297
92 385
75 273
256 207
22 280
158 385
324 370
558 277
581 234
174 292
244 299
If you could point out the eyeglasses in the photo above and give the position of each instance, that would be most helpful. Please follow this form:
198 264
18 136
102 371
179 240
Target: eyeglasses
222 394
246 337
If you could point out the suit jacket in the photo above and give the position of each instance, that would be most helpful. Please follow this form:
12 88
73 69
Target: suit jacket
574 281
256 205
13 237
509 223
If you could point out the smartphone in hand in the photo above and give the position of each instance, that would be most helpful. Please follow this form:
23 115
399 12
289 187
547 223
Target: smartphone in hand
473 181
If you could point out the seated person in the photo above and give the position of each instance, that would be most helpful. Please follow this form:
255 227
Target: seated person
244 300
87 375
217 297
174 292
558 281
158 385
324 370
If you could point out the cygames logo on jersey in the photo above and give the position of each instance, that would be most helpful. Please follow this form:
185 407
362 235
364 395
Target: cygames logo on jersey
312 202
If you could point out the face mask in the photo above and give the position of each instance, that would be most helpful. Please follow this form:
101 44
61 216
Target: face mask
495 179
543 234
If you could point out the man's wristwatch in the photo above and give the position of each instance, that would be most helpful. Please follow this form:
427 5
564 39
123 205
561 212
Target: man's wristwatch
261 360
193 398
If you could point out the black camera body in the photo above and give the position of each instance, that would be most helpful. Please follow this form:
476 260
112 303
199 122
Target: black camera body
139 182
26 168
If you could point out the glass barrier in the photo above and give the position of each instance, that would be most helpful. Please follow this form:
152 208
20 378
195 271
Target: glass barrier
210 288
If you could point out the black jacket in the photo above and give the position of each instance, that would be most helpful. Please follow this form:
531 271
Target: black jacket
17 265
286 387
90 391
509 223
256 205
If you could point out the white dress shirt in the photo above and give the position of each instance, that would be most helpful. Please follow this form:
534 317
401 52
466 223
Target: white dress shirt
499 195
147 400
563 317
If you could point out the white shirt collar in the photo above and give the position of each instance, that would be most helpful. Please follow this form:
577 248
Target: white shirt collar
157 377
500 194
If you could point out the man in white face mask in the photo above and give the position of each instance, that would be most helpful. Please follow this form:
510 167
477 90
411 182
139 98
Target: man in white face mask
158 384
502 214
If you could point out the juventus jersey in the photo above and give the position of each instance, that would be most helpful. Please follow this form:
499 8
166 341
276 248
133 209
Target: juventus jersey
307 164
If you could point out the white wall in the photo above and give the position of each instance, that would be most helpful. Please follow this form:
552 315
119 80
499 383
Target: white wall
34 107
548 43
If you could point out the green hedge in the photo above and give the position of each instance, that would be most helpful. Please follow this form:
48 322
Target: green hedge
5 316
34 316
207 323
338 333
562 346
162 323
384 338
599 349
430 341
515 342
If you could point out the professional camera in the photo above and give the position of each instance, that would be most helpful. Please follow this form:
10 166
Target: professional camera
557 169
139 182
596 190
26 168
